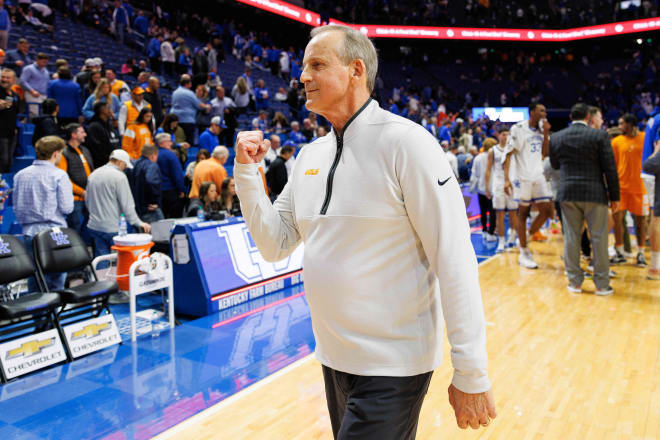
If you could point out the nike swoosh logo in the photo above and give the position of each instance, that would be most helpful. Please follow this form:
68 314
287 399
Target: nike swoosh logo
444 181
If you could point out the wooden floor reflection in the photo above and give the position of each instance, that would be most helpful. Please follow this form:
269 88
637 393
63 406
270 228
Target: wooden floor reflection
564 366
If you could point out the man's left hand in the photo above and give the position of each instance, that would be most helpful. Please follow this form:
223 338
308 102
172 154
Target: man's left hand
34 93
472 409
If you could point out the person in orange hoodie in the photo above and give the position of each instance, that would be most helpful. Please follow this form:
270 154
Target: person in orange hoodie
138 134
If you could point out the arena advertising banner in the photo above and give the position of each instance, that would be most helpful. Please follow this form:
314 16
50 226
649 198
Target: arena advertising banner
31 353
455 33
91 335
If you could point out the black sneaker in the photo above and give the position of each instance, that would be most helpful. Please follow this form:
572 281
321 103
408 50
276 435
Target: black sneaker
641 261
618 258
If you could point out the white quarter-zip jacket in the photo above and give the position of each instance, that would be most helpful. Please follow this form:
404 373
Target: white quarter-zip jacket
387 249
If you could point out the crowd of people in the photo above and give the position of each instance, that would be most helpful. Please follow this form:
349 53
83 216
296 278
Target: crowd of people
551 14
516 170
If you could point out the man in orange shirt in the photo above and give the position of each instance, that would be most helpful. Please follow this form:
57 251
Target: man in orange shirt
628 149
78 163
210 170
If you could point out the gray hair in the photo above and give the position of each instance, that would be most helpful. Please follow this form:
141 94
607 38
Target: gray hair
220 152
160 137
356 46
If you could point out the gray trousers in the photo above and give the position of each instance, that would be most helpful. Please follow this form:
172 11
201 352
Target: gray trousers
573 215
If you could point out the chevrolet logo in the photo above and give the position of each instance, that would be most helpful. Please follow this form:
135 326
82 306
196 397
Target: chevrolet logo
312 172
30 348
90 331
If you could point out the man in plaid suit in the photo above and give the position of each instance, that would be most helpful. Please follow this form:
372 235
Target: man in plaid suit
588 181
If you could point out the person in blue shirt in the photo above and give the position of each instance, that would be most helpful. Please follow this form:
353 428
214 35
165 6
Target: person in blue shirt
120 20
141 24
172 177
185 62
261 96
295 69
18 58
67 94
652 133
393 107
210 138
147 185
444 134
185 105
296 135
5 26
153 52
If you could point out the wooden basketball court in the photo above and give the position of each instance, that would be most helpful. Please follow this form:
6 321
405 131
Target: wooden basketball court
563 365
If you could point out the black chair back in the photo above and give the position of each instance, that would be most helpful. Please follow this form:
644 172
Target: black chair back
61 250
15 261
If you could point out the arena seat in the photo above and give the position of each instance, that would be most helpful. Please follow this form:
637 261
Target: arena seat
31 310
63 250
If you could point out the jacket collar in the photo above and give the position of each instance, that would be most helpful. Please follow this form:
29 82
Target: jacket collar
352 127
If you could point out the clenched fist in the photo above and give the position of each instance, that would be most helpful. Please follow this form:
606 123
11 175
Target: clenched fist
251 147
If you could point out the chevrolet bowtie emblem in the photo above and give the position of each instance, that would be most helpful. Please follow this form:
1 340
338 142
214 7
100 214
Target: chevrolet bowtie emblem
91 330
312 172
30 348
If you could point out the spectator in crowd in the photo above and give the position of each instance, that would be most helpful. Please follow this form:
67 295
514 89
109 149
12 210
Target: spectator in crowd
202 154
89 88
276 176
43 197
210 170
478 185
203 117
185 62
120 21
102 136
452 155
78 163
208 200
185 105
464 164
261 95
34 80
153 97
143 79
172 177
153 53
46 124
18 58
285 68
296 135
167 56
108 196
241 94
138 134
82 77
652 166
5 26
147 187
171 126
293 99
280 96
68 96
224 107
308 129
279 124
228 198
119 87
210 138
102 93
585 160
141 24
261 122
8 114
130 110
628 149
247 76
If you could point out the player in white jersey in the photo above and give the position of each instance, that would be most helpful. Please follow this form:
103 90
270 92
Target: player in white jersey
502 202
527 145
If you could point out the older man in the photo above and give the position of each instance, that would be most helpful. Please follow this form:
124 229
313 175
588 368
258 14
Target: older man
376 310
185 105
585 159
18 58
210 170
172 177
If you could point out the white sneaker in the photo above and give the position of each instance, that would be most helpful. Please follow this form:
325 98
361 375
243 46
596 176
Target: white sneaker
525 260
574 289
605 292
491 237
500 246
